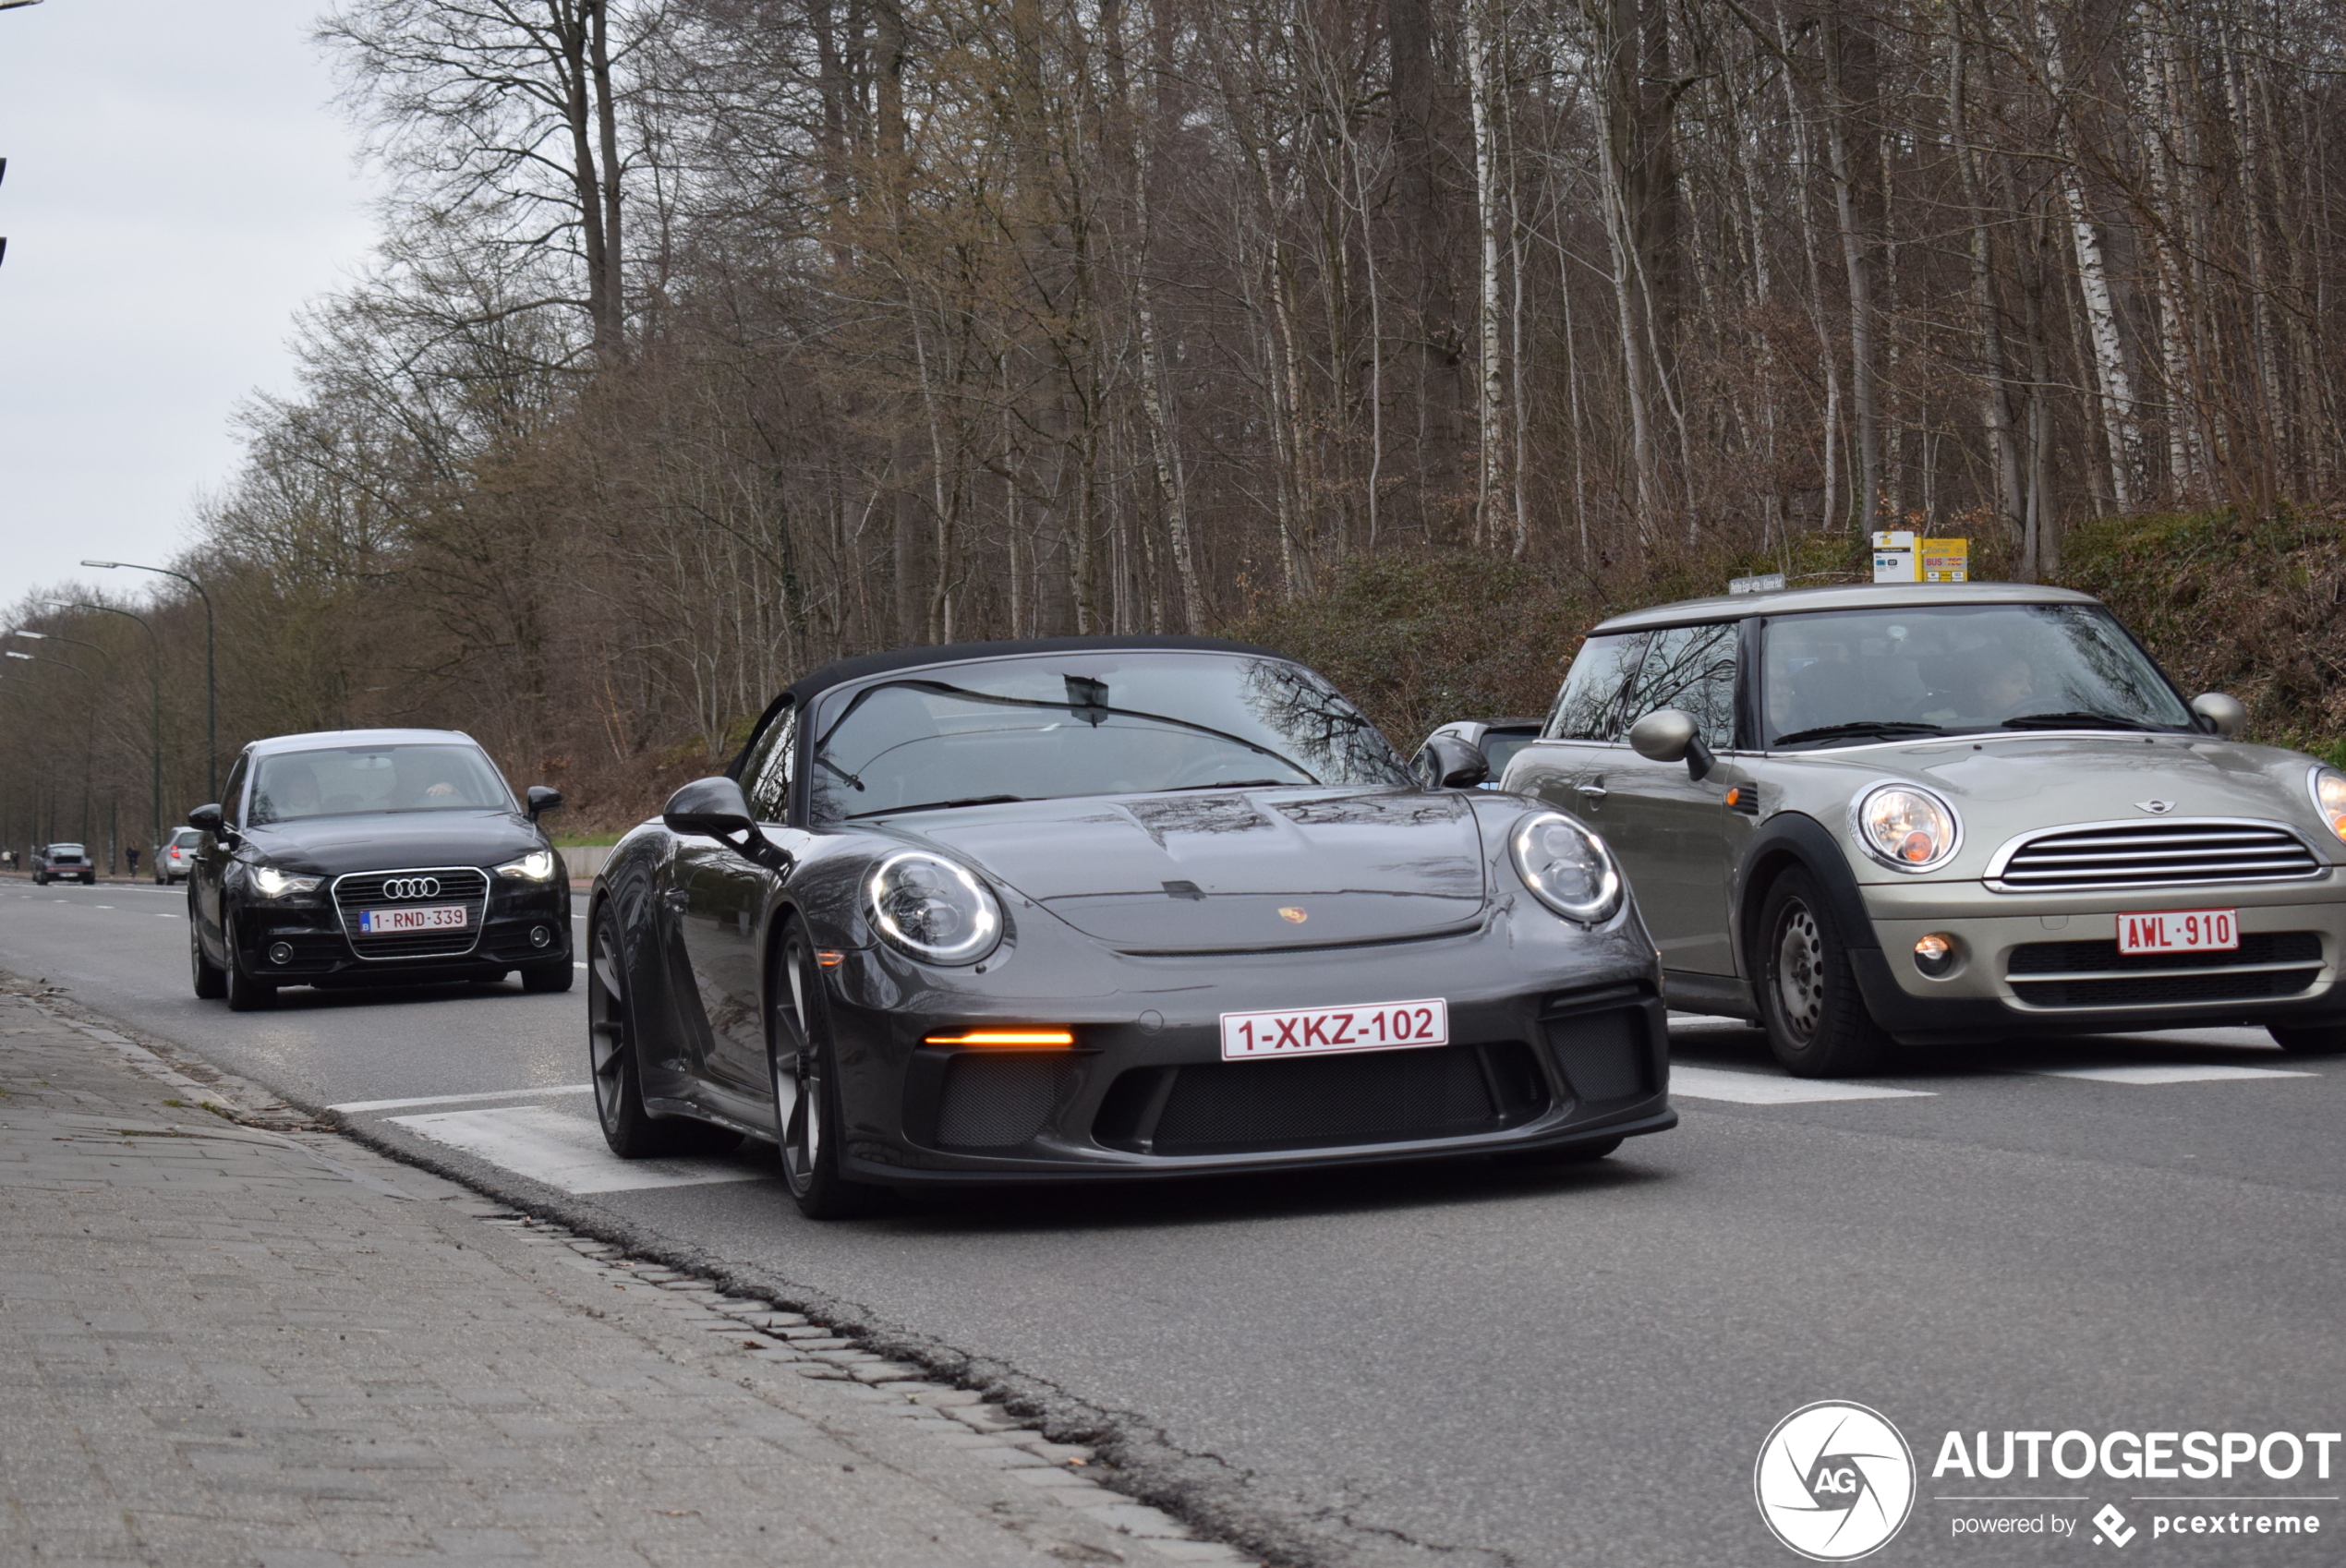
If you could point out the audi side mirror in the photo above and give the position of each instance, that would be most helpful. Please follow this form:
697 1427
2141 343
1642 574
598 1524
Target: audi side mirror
1444 762
205 819
716 808
2219 715
544 800
1669 735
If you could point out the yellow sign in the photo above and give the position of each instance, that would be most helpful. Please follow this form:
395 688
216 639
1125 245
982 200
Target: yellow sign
1946 561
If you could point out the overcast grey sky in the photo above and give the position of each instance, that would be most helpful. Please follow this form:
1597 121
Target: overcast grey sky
178 186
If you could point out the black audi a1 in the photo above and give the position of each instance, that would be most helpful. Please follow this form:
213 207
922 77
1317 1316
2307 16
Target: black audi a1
368 857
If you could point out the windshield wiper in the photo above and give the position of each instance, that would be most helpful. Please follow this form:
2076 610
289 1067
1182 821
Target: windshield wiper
938 806
1875 727
1237 784
2072 721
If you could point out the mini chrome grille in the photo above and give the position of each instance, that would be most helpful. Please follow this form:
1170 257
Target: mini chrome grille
430 886
2154 854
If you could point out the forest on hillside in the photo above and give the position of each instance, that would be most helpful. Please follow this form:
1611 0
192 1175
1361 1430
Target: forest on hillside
711 339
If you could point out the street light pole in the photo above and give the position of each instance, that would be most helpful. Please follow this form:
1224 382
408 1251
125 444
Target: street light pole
154 650
211 666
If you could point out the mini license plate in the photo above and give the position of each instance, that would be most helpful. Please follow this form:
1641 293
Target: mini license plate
428 917
2178 931
1310 1031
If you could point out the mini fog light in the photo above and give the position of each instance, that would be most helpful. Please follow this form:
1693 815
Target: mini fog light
281 952
542 936
1935 955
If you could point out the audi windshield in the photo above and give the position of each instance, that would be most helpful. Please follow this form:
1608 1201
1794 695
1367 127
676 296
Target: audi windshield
1045 727
365 780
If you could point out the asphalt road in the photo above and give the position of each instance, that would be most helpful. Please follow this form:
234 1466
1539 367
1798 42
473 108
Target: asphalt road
1471 1365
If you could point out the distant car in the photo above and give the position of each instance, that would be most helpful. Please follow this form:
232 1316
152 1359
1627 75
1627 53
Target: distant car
61 862
1095 909
366 857
1947 814
1496 739
175 860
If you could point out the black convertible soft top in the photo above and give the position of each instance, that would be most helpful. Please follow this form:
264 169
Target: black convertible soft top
843 672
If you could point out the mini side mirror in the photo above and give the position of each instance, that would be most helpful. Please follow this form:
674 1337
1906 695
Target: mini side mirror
1447 762
715 808
1668 735
544 800
2219 715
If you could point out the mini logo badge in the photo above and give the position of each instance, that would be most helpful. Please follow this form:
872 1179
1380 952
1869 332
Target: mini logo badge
1834 1481
2156 808
2113 1527
1292 915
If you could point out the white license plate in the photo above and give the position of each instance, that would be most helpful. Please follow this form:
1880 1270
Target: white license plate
1310 1031
2178 931
430 917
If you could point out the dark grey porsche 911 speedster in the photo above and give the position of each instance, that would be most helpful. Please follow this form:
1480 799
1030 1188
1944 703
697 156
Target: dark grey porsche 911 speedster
1097 908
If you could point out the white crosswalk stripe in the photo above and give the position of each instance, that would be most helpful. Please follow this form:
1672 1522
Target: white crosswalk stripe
1773 1088
563 1151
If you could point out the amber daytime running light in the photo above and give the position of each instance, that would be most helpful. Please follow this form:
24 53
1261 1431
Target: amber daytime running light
1003 1037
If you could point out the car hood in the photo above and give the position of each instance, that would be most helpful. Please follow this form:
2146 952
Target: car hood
334 846
1220 870
2009 785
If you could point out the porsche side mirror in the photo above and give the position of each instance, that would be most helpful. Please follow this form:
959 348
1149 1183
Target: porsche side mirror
544 800
1446 762
1668 735
2219 715
715 808
205 819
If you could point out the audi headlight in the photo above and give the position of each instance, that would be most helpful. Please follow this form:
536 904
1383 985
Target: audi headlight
933 908
1567 867
1906 828
271 882
2329 799
535 866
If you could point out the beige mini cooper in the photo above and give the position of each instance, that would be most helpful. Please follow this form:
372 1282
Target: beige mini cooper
1946 813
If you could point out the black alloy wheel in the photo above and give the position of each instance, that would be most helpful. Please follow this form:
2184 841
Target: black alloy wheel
799 1056
245 995
633 1132
2309 1039
1815 1015
211 981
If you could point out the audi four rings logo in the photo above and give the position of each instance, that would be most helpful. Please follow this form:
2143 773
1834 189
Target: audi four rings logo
1834 1481
412 887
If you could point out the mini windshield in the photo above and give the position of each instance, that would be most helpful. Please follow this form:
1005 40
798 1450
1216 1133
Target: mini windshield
356 780
1049 725
1855 675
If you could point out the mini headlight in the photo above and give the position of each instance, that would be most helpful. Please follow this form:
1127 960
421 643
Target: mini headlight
1903 827
1567 867
271 882
535 866
2329 799
933 908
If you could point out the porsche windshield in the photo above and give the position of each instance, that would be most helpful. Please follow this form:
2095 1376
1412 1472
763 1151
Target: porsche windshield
1854 675
1048 726
354 780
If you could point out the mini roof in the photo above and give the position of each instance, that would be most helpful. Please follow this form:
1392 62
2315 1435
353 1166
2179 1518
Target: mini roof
1853 595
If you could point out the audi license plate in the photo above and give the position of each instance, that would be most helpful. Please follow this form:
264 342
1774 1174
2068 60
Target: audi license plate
428 917
2178 931
1369 1026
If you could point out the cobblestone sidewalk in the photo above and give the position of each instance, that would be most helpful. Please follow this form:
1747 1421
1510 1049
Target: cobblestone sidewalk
222 1345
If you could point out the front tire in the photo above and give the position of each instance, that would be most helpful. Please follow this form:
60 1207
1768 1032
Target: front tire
1815 1015
548 977
633 1132
2309 1039
211 981
806 1091
245 995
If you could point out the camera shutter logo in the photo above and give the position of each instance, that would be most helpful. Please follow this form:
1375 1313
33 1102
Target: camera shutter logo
1834 1481
412 887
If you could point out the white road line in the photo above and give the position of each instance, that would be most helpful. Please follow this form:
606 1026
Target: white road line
563 1151
462 1099
2180 1073
1767 1089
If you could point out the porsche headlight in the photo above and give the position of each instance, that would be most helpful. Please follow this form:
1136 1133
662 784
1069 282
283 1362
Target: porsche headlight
535 866
1906 828
1567 867
933 908
2329 799
271 882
